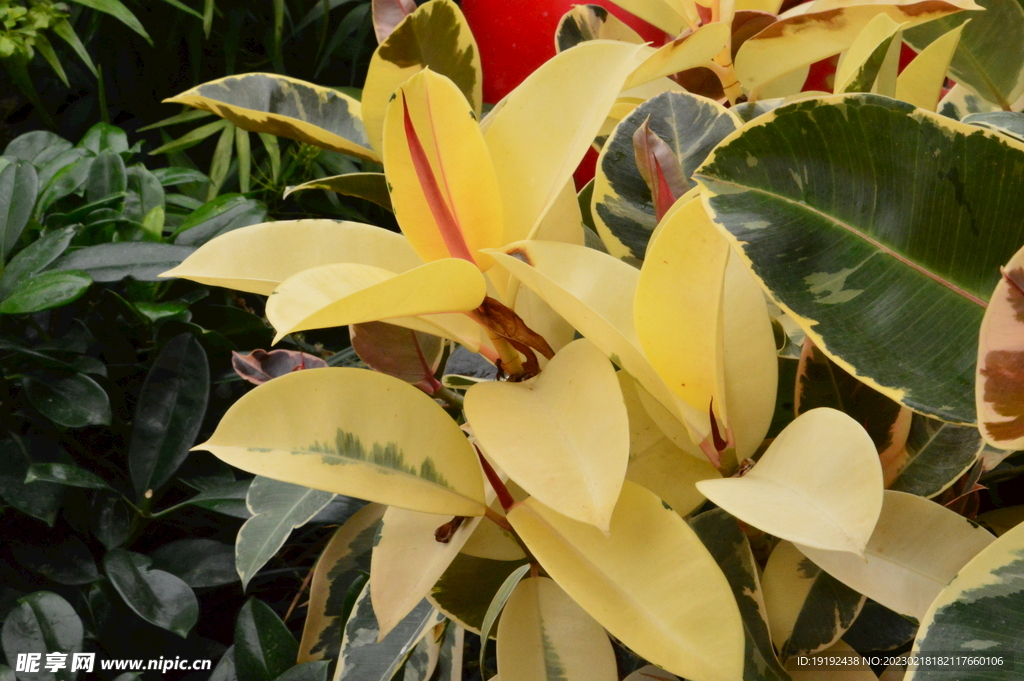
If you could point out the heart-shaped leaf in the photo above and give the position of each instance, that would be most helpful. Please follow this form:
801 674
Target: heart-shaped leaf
819 484
573 455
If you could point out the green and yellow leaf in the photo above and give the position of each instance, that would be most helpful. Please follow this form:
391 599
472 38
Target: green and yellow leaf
591 22
543 635
443 187
354 432
819 484
468 586
650 582
936 454
863 61
369 186
436 37
916 548
563 436
285 107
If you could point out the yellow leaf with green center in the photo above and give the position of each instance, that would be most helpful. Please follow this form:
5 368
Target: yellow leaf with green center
285 107
917 547
351 293
819 484
436 37
443 186
678 308
563 435
543 635
863 61
650 582
353 432
543 128
922 80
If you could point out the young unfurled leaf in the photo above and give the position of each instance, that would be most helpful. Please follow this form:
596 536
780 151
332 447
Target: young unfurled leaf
352 293
370 186
574 453
650 582
399 352
1000 382
387 14
259 366
346 555
862 63
435 36
921 81
365 434
443 187
808 609
544 635
623 206
591 22
980 610
819 484
659 167
917 547
285 107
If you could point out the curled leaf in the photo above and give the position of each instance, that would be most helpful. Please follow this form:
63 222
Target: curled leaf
259 366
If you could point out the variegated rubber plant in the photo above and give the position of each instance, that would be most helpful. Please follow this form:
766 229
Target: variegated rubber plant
626 466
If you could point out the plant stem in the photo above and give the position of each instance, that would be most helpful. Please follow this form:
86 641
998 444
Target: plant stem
450 397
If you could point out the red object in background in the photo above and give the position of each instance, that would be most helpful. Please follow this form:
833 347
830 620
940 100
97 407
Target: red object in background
586 169
517 36
821 77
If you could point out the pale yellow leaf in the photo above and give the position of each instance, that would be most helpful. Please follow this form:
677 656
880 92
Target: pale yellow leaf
543 635
917 547
880 30
355 432
651 582
690 51
338 295
819 484
665 14
921 82
563 436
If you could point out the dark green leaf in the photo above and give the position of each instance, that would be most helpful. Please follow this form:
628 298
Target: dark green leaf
45 49
169 413
370 186
156 596
6 673
191 138
65 561
37 147
225 669
308 671
106 176
19 186
58 163
227 498
104 137
45 291
72 400
198 562
264 648
111 519
223 214
35 258
117 10
170 177
855 212
879 629
145 192
221 161
184 117
43 623
64 31
65 474
936 454
66 181
41 499
113 262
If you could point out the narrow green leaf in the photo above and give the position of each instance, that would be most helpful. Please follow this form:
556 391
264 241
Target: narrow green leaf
46 49
244 159
17 68
73 400
45 291
19 187
117 10
65 32
170 177
264 648
209 6
156 596
273 153
494 610
184 8
183 117
65 474
190 139
221 162
169 413
370 186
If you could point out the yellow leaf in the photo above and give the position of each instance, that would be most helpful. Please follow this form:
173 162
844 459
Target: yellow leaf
285 107
545 126
651 582
678 308
998 381
443 186
353 432
408 561
544 636
665 14
690 51
769 6
563 436
751 360
594 292
875 37
656 462
589 22
491 542
796 41
921 82
349 546
434 36
819 484
917 547
338 295
256 259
